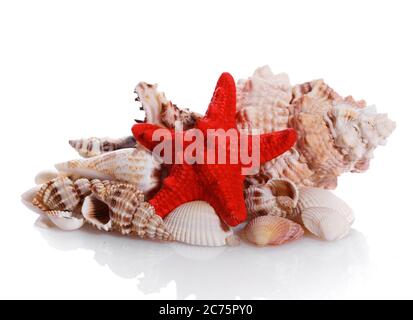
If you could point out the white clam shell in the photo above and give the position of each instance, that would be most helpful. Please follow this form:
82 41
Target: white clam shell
197 223
325 223
315 197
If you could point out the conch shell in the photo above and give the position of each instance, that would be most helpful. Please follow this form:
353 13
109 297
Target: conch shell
123 209
92 147
136 166
272 230
335 134
197 223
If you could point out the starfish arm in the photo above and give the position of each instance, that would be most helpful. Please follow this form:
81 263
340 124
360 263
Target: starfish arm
275 143
143 134
225 192
223 103
178 188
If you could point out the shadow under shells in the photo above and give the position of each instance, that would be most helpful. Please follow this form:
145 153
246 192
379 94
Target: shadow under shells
305 269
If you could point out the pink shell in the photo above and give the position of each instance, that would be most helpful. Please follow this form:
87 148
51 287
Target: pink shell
272 230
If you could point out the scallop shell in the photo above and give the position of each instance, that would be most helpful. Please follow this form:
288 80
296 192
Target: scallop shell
133 165
61 194
92 147
128 212
276 197
325 223
197 223
315 197
272 230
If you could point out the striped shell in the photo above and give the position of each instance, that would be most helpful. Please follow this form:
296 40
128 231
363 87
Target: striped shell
133 165
123 210
276 197
61 194
272 230
197 223
92 147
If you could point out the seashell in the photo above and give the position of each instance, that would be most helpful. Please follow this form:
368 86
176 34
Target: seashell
128 212
92 147
325 223
263 101
272 230
324 214
159 110
97 213
44 222
28 197
171 114
315 197
45 176
276 197
133 165
60 194
197 223
152 101
65 220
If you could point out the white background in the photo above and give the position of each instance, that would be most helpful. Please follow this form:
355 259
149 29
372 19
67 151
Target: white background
68 70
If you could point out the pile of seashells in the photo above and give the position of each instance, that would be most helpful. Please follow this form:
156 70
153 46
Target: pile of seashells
110 186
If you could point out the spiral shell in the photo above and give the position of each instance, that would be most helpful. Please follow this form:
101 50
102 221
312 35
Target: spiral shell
92 147
272 230
61 194
123 209
276 197
136 166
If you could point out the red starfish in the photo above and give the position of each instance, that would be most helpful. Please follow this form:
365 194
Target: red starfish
221 185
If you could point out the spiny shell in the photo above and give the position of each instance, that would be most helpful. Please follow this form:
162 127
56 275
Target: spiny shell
197 223
315 197
159 110
325 223
276 197
272 230
91 147
263 101
133 165
335 134
129 214
61 194
151 101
